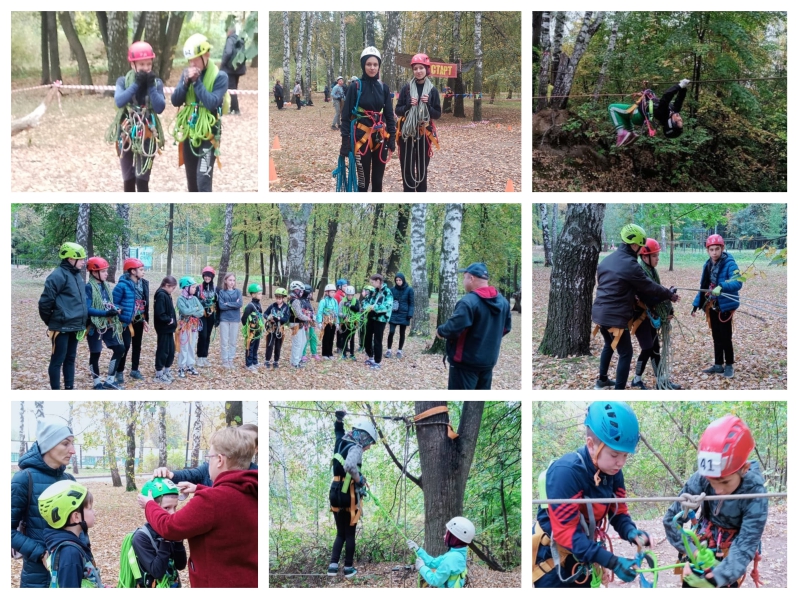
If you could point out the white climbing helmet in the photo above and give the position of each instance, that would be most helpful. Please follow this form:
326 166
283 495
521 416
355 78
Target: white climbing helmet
349 290
462 528
364 424
297 286
329 287
371 51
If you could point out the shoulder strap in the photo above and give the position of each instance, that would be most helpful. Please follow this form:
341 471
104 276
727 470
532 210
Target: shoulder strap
56 555
149 536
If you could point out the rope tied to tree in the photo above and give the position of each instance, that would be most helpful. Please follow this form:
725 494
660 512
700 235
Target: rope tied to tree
433 412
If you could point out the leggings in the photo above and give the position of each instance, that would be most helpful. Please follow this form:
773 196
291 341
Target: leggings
311 343
722 336
648 339
204 340
625 352
328 336
374 332
127 338
345 532
273 344
392 330
373 170
411 155
64 352
199 169
165 352
621 120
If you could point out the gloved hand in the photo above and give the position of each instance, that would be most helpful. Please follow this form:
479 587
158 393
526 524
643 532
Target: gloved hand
412 545
141 79
684 83
339 414
639 537
717 291
151 77
699 581
112 312
419 564
363 481
624 568
392 144
346 146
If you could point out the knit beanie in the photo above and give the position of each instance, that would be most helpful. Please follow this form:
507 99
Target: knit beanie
50 432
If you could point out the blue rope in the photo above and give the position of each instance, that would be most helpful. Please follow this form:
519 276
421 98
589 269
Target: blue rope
345 179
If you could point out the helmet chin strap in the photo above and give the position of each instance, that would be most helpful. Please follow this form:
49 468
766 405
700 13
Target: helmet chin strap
597 474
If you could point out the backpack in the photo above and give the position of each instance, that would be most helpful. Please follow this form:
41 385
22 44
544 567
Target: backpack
91 575
241 67
131 575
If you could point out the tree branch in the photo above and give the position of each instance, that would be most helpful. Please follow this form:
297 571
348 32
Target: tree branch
661 459
681 430
402 468
483 553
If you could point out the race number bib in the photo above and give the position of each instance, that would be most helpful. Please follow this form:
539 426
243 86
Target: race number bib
709 463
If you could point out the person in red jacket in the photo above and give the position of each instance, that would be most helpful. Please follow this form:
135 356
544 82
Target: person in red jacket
220 522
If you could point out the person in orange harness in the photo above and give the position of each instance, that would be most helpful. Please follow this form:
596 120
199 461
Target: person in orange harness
347 487
732 529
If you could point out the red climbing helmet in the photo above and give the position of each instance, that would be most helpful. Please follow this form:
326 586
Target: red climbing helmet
132 263
209 270
715 239
421 59
724 447
651 247
139 51
96 263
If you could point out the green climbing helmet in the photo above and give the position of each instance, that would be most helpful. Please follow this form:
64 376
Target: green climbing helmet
254 288
59 500
632 233
72 250
159 487
369 288
281 291
187 282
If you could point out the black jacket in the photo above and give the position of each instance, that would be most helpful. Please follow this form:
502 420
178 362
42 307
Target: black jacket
156 563
280 314
374 96
434 103
229 53
62 305
164 312
252 306
278 91
663 107
404 302
474 332
620 278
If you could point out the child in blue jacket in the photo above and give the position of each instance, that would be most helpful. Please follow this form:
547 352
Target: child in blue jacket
447 571
327 318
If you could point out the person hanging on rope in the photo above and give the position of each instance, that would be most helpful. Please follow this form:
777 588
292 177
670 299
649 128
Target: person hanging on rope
418 105
276 317
450 570
620 278
104 325
191 312
570 540
207 297
201 95
720 275
252 321
646 107
136 129
651 318
63 308
348 486
368 126
732 530
349 313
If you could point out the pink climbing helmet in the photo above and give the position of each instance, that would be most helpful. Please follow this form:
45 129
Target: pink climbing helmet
139 51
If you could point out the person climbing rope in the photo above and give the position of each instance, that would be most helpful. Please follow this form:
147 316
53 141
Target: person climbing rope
646 107
620 278
63 308
136 129
570 544
201 95
418 105
732 530
104 325
450 570
368 127
652 319
347 487
720 275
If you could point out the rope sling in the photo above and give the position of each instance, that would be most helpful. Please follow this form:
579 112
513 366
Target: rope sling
195 122
103 323
413 129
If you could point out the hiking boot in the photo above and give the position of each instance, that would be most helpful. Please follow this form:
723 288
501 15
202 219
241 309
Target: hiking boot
135 374
632 138
332 570
399 354
640 385
715 369
728 372
387 353
192 370
608 384
181 373
349 572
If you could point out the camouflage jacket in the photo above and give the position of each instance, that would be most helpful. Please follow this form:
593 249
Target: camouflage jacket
748 516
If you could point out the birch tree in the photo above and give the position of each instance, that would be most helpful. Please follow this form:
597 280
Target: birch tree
82 233
286 49
296 222
450 261
477 68
224 262
39 408
300 47
544 227
606 64
123 246
418 269
565 77
342 46
133 408
556 44
545 61
555 209
196 437
69 424
23 446
162 453
308 66
369 38
389 45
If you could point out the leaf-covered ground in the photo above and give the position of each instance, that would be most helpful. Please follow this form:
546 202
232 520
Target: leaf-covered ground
67 152
30 356
472 157
760 338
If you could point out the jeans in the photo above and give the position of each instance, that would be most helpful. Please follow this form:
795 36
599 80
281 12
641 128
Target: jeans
228 331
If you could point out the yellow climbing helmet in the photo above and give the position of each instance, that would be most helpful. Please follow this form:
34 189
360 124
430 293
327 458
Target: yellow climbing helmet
59 500
196 46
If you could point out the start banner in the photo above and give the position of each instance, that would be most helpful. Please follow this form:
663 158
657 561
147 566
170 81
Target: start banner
443 69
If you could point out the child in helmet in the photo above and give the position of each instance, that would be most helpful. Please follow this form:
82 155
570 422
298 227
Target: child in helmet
340 293
569 538
732 530
348 310
253 326
327 318
623 116
299 321
68 509
447 571
104 326
159 559
62 307
720 275
191 311
131 295
200 95
207 296
165 320
348 486
418 104
311 346
136 129
275 317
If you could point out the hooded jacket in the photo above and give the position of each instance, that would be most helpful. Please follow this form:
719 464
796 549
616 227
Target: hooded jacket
726 274
748 516
474 331
404 302
381 302
62 305
32 544
375 97
72 560
125 298
156 562
451 563
164 312
620 278
221 525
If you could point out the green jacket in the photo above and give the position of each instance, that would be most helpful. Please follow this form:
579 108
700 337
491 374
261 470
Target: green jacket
381 304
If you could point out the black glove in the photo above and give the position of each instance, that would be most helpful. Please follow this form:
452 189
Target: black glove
151 77
392 144
339 414
362 482
112 312
346 146
141 78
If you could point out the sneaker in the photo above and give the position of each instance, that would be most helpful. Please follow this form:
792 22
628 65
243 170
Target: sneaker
608 384
276 365
375 366
332 570
353 358
388 353
344 356
111 383
640 385
316 357
98 385
119 379
305 358
399 354
728 372
135 374
349 572
267 365
297 366
161 378
369 362
623 137
252 368
715 369
167 373
632 138
192 370
181 373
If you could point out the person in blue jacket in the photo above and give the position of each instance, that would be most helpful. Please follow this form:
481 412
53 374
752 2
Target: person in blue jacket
125 301
44 464
104 325
568 538
720 275
404 307
447 571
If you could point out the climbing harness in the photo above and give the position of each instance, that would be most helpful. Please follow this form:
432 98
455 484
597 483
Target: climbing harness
103 323
185 327
253 329
413 129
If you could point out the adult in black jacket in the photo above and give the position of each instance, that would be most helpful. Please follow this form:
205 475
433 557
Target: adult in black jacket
404 307
63 308
374 112
278 95
44 464
418 104
475 330
234 71
620 279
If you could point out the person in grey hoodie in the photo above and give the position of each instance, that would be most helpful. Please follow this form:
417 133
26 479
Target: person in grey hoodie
229 301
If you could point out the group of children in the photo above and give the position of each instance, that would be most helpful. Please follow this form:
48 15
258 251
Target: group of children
570 541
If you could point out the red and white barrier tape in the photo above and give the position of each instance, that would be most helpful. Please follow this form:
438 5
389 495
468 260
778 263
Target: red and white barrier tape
167 90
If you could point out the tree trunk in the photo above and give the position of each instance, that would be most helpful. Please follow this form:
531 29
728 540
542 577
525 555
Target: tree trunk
82 235
450 261
556 43
554 217
246 261
52 32
332 231
606 64
46 80
140 25
77 47
224 263
234 413
141 430
308 69
110 446
163 456
572 280
130 462
117 46
75 469
196 437
389 45
342 45
477 117
170 239
445 464
23 446
102 24
32 119
399 239
369 38
565 76
123 212
375 225
300 47
544 226
418 269
169 41
152 32
537 21
545 61
296 222
286 49
260 249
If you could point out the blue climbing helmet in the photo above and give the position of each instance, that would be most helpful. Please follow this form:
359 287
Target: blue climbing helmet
341 282
615 424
